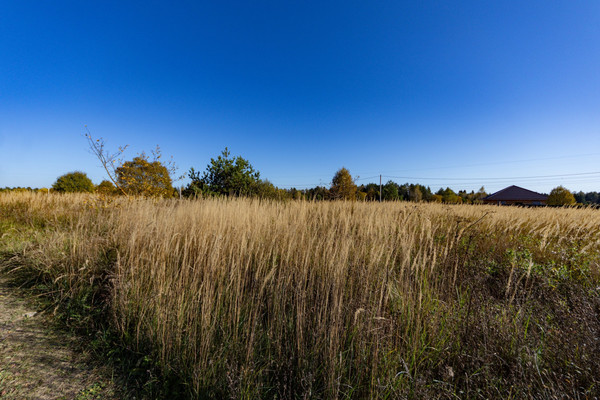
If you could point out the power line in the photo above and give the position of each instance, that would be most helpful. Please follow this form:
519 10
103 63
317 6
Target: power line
582 177
494 178
369 177
321 183
462 181
502 162
581 180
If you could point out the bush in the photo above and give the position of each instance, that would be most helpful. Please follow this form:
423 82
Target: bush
73 182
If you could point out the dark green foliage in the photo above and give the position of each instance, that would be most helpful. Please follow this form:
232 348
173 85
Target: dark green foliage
415 193
371 190
580 197
73 182
592 198
226 176
390 191
317 193
295 194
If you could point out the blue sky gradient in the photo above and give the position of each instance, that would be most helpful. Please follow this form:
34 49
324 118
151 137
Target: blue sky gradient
443 94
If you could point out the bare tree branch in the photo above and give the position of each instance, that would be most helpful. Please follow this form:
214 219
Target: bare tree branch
170 164
109 161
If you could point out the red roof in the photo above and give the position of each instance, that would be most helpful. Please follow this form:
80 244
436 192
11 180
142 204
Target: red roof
516 193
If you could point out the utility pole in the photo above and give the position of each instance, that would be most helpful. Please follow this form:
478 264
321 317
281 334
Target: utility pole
380 188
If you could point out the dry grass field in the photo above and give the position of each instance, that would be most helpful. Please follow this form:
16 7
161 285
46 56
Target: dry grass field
244 298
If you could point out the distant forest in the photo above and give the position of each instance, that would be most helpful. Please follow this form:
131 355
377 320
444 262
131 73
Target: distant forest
390 191
228 175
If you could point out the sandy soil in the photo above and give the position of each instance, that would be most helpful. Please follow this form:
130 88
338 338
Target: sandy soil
39 363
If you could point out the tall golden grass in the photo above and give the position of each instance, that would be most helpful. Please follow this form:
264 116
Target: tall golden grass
254 299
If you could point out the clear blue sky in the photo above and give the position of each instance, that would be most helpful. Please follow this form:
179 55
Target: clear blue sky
431 92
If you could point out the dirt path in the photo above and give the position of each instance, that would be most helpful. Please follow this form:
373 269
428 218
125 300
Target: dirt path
40 363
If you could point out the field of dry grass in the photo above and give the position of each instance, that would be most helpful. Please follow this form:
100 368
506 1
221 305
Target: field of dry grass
257 299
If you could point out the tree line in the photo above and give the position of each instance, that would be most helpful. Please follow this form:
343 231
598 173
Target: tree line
588 198
228 175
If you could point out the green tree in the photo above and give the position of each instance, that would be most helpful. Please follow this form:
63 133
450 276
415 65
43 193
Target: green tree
415 193
295 194
266 190
389 191
225 175
318 193
404 192
449 196
73 182
144 177
592 197
343 186
580 197
559 196
426 192
372 191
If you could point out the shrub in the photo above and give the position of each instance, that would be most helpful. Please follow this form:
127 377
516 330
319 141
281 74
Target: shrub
73 182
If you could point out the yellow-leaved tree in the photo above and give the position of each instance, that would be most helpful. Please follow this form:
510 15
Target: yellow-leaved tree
145 177
560 196
142 176
343 186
